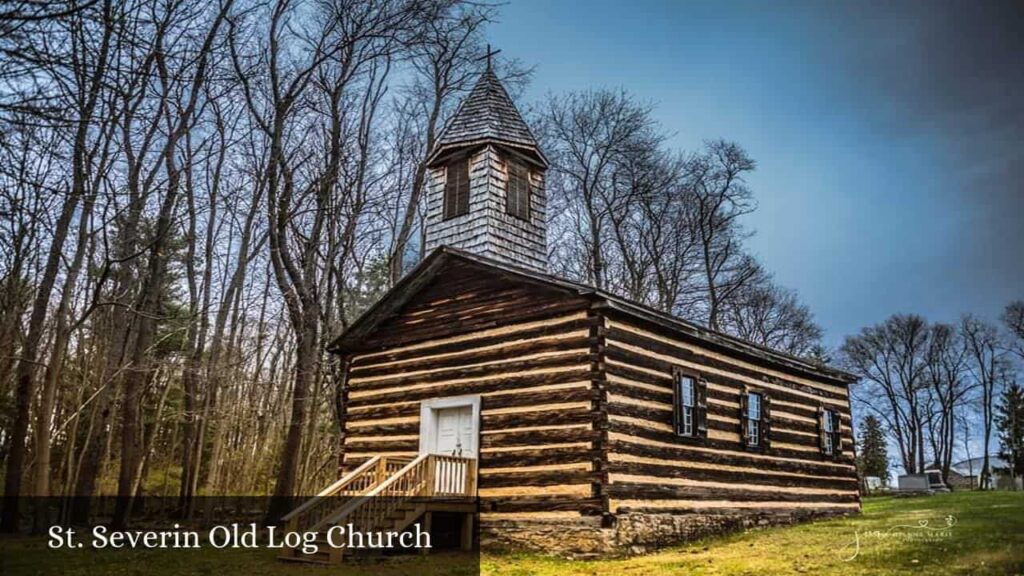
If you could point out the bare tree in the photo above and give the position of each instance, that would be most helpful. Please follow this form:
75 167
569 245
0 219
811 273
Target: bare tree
1013 321
720 196
772 316
947 389
85 101
348 43
891 360
987 365
446 59
587 134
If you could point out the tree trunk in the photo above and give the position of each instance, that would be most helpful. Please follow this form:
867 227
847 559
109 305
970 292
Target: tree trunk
27 365
62 334
305 372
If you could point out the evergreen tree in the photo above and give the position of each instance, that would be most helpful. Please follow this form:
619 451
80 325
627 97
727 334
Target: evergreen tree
1010 426
873 460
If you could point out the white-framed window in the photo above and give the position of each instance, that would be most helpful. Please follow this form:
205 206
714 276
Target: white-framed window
828 438
686 405
832 436
753 419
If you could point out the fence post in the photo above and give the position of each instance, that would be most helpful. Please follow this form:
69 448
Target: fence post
471 477
428 489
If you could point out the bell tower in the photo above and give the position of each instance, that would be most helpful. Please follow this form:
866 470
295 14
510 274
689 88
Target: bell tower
486 181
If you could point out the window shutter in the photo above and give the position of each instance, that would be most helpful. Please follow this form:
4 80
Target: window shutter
743 415
701 413
837 434
456 188
517 190
821 429
677 401
766 420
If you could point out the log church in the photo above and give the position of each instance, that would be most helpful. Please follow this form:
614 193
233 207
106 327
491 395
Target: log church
555 415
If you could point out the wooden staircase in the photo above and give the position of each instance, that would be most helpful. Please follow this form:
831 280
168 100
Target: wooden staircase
385 494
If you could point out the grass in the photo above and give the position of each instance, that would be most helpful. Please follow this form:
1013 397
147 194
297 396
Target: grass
987 537
895 535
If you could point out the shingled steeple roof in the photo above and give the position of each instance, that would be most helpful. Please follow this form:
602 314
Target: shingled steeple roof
486 115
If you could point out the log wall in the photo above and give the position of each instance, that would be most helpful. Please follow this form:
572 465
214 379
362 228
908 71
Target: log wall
650 469
577 446
530 361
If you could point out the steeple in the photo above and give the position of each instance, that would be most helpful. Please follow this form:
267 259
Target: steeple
487 115
486 188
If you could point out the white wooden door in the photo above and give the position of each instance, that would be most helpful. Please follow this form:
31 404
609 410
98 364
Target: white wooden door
455 430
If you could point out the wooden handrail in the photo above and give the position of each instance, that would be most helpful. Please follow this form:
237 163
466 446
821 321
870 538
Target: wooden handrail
426 475
378 492
333 488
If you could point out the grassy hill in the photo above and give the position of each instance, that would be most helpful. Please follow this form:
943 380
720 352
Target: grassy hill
956 533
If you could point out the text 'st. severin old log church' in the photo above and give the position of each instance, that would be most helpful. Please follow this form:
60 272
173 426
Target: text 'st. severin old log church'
582 422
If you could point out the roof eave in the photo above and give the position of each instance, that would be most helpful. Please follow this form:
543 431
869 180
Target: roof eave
442 149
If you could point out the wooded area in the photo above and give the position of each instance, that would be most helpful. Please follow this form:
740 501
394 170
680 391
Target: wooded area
942 391
195 197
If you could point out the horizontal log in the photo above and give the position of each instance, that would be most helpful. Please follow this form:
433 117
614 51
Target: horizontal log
471 355
759 359
580 393
450 324
641 491
587 506
402 408
536 457
552 478
724 445
462 372
640 393
747 509
714 397
481 387
783 429
557 326
383 445
536 437
402 428
682 452
749 476
393 410
616 352
537 418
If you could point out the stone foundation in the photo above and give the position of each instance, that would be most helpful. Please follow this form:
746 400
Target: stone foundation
629 533
575 537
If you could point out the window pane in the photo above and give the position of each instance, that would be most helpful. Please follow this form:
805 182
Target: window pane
686 399
687 391
754 406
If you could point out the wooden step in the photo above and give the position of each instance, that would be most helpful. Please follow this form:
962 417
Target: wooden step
305 559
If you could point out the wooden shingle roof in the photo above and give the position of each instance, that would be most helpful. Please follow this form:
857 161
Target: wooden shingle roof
487 115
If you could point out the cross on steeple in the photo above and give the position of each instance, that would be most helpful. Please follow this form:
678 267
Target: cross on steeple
488 55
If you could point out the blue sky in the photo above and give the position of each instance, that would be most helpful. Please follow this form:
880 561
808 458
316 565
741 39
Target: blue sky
889 140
